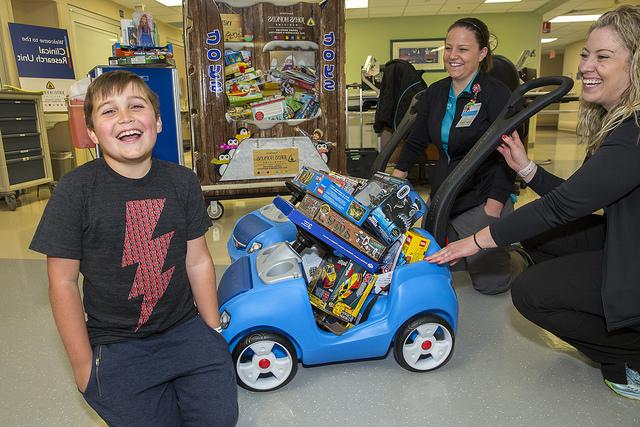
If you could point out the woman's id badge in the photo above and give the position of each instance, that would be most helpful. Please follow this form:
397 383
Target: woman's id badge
469 113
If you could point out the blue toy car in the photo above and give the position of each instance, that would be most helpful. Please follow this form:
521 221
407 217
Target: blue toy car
267 317
259 229
269 323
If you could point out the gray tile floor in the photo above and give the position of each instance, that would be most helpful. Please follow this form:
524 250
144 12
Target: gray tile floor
504 370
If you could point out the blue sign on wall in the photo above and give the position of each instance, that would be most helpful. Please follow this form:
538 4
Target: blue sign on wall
41 52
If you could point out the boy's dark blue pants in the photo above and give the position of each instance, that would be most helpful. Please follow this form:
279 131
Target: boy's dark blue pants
182 377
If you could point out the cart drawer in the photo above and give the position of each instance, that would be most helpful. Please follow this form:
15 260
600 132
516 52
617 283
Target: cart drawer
18 125
16 108
21 141
19 154
24 169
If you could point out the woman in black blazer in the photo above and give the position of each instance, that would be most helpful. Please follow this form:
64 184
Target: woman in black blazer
453 114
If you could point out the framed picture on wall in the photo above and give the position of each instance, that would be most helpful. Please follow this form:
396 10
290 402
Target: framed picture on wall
424 54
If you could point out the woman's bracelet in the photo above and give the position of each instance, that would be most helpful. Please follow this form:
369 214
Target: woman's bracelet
476 242
527 169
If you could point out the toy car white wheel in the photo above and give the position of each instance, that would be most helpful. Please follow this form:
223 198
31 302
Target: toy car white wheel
424 344
264 361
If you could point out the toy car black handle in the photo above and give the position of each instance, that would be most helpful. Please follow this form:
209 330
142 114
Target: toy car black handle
509 119
297 193
403 128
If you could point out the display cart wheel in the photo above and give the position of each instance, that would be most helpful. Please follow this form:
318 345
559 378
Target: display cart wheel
424 344
264 361
215 210
12 201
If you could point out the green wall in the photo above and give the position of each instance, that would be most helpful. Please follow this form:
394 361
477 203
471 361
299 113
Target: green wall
515 32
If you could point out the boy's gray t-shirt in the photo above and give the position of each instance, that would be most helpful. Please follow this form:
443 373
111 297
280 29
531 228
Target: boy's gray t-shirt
130 236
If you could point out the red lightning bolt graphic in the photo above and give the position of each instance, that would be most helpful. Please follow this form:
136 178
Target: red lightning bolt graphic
150 281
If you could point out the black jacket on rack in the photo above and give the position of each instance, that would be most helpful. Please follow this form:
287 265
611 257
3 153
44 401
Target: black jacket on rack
400 82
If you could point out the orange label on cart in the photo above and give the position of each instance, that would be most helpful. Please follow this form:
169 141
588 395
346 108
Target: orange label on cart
284 161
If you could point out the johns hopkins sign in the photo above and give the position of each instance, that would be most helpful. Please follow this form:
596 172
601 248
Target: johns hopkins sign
44 62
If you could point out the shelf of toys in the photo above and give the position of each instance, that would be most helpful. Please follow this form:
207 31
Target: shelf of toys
266 92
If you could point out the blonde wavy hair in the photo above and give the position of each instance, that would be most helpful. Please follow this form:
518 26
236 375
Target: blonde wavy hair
595 122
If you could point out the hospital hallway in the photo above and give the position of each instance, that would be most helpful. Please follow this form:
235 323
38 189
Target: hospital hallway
504 370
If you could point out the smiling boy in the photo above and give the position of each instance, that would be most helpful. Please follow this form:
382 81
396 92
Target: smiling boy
134 227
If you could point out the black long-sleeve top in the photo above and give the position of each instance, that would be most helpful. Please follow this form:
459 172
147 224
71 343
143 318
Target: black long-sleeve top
609 179
493 179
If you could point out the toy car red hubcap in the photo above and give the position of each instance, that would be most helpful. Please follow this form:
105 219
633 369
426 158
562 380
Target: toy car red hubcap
264 363
426 345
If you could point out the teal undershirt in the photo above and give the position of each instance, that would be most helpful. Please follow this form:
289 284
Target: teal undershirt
450 112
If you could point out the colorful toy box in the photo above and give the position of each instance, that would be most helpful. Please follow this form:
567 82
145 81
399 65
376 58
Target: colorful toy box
394 206
324 235
340 287
323 214
330 191
325 280
353 290
414 247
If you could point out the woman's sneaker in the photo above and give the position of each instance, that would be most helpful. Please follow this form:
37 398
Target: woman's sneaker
633 376
630 390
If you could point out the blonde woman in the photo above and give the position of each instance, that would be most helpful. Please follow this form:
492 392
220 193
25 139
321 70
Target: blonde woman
584 287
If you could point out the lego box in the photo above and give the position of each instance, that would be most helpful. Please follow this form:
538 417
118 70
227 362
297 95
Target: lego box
324 214
326 236
330 191
414 247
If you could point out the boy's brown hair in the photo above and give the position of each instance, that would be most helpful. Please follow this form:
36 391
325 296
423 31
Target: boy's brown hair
115 82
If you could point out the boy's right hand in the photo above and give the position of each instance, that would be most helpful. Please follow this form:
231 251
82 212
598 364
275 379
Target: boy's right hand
82 375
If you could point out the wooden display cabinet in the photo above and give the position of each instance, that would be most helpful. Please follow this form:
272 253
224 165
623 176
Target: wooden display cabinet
315 28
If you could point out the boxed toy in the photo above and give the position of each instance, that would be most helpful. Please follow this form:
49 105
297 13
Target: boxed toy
309 178
324 281
324 235
347 183
353 288
329 190
243 93
394 205
271 109
414 247
323 214
118 50
236 68
141 60
390 260
309 206
340 287
232 57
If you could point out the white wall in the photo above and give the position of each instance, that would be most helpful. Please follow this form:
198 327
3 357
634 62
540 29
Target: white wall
550 67
569 121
